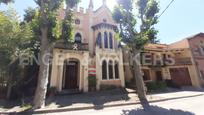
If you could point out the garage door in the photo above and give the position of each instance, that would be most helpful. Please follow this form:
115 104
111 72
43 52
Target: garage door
181 76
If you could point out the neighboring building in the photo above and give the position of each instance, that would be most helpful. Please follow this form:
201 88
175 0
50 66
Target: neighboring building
196 44
94 51
165 62
171 63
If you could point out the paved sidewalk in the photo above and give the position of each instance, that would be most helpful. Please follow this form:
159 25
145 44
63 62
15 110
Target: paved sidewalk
108 99
99 100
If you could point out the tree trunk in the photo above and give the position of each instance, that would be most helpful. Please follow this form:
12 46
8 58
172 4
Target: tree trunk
140 86
40 94
8 95
10 85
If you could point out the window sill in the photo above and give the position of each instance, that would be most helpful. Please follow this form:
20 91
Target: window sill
111 80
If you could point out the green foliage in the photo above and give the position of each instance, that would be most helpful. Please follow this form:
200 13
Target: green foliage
50 6
148 14
123 15
108 87
15 40
129 19
117 37
156 86
14 37
57 28
47 21
31 18
67 24
26 106
92 81
71 3
48 12
67 27
30 14
51 91
6 1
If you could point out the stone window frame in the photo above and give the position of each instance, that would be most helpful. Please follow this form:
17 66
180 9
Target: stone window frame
114 62
77 21
104 75
99 40
111 67
106 40
111 40
202 74
78 34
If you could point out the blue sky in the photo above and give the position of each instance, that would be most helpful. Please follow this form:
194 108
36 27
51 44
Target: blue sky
183 18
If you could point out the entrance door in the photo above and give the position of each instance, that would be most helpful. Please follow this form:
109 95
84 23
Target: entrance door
181 76
146 76
159 75
71 75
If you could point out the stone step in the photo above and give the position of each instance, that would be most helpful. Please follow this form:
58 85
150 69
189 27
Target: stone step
69 92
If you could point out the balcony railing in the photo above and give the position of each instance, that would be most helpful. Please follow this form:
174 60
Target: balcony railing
183 61
177 62
72 46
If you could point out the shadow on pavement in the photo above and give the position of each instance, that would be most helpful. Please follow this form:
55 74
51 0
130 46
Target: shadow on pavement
5 104
174 90
155 110
98 99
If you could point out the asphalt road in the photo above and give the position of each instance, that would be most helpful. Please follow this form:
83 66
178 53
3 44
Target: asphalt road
185 106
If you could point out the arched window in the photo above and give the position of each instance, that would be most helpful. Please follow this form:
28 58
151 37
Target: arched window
105 39
104 70
110 69
116 70
111 40
78 38
98 41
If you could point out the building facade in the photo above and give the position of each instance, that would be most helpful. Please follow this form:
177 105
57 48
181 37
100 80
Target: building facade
162 62
174 64
94 52
196 44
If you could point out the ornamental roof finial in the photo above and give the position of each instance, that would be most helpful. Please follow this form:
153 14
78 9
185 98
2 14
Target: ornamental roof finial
91 6
104 2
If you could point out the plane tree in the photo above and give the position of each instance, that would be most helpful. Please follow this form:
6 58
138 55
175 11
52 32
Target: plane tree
136 19
48 20
6 1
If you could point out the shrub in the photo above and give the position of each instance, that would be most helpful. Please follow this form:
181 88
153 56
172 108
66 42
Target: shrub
51 91
156 86
92 81
172 84
108 87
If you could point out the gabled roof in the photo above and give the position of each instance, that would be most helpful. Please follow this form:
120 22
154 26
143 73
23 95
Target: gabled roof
103 6
185 40
156 46
196 35
105 10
